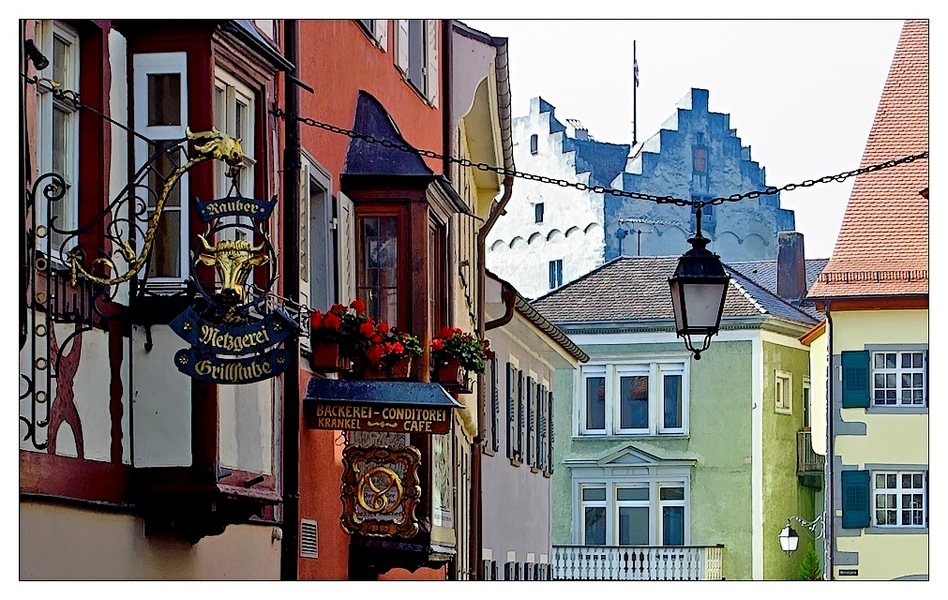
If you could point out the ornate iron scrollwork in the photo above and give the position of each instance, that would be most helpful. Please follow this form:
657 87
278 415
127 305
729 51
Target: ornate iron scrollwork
73 275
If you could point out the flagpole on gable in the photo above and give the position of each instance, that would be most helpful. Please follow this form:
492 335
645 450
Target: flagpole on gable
635 87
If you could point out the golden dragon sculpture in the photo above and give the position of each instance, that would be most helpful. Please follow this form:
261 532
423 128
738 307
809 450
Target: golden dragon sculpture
209 145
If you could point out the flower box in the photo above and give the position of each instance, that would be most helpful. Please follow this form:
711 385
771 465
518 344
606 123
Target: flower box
326 357
453 377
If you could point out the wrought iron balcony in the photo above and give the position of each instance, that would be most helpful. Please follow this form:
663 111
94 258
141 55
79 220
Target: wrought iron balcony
809 463
643 563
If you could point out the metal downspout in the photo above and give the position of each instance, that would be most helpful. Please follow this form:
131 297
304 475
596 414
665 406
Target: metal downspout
829 523
289 550
503 75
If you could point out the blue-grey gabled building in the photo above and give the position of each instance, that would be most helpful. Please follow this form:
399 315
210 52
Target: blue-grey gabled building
551 235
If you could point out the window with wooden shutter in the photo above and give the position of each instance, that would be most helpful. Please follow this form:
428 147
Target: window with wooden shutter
494 407
511 410
549 421
531 421
432 82
855 366
541 428
346 248
521 415
855 499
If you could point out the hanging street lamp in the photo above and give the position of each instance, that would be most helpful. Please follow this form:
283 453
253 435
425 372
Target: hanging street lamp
698 289
788 539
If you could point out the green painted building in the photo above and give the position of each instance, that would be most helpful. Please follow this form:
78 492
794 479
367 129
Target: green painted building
671 467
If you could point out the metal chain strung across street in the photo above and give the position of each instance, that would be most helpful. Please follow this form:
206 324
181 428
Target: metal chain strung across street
598 189
45 84
73 97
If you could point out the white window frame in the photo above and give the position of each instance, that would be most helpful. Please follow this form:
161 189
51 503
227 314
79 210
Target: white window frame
159 63
376 30
587 372
655 369
47 106
428 86
631 370
611 479
229 94
783 392
898 372
898 492
583 504
317 229
671 369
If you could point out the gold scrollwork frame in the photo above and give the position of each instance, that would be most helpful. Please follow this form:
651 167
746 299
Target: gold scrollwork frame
362 469
208 145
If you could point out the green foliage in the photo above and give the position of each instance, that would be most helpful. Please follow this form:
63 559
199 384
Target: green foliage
453 344
810 567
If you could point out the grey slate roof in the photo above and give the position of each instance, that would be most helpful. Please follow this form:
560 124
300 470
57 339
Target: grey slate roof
635 288
764 274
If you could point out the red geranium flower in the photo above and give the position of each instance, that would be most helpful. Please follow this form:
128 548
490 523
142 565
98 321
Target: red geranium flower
331 321
358 305
367 329
398 348
375 353
316 320
437 344
382 326
445 332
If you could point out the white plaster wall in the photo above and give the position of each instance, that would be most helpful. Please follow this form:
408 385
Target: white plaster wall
572 224
161 401
246 426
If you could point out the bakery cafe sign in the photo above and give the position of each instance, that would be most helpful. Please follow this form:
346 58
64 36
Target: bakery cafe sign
233 333
326 414
386 406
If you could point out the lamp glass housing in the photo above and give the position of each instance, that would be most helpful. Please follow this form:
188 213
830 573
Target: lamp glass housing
698 290
788 539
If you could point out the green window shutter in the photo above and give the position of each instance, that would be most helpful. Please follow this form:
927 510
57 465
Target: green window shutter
855 379
855 499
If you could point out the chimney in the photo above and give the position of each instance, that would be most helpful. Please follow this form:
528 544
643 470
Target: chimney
791 266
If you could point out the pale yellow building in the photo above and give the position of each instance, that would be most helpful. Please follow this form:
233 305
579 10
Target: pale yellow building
869 357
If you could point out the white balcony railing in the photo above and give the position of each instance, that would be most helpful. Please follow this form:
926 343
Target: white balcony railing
644 563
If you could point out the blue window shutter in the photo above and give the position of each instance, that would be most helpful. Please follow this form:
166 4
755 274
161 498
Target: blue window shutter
855 379
855 499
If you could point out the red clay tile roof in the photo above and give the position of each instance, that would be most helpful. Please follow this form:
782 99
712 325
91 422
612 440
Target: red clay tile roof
882 246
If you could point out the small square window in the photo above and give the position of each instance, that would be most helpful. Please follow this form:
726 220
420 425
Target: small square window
783 392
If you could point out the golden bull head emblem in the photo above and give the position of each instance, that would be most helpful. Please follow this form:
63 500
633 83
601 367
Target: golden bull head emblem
234 260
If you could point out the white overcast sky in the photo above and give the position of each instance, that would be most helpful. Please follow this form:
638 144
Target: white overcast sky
801 93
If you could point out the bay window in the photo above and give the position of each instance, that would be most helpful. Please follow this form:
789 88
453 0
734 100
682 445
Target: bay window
378 276
234 115
161 115
647 398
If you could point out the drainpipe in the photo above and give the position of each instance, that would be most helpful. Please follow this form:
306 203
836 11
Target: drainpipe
289 550
510 301
829 525
477 512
